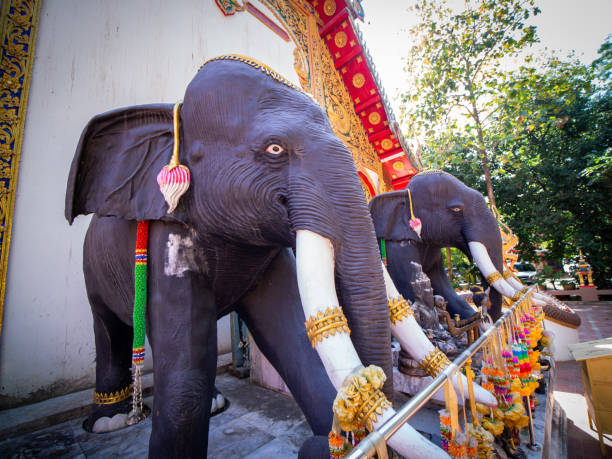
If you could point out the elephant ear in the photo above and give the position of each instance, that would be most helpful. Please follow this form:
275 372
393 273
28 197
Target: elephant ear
114 169
391 216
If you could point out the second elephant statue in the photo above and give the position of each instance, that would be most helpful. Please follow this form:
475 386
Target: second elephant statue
452 215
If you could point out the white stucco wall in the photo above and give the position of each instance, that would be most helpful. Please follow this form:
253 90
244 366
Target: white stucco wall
93 56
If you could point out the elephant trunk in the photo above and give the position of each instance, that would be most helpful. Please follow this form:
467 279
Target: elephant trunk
341 217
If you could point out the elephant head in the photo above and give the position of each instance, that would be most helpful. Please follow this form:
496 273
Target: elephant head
265 165
452 215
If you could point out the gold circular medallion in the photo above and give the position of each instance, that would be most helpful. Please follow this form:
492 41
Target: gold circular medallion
329 7
358 80
398 166
340 39
374 118
386 144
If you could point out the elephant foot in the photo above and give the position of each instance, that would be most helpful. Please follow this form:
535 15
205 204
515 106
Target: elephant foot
108 418
219 403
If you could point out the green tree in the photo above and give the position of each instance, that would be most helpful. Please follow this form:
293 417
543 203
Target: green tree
551 164
455 69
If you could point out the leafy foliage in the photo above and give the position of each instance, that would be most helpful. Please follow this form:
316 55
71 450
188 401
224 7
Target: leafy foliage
456 66
544 131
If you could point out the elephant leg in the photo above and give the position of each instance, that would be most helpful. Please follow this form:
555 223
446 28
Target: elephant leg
273 312
441 285
182 332
113 362
400 255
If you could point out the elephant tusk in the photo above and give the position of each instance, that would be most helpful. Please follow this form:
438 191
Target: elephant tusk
486 267
316 284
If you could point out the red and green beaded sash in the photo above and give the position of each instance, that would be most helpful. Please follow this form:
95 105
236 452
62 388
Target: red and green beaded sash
140 305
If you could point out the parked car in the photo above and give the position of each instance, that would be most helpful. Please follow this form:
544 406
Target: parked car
526 272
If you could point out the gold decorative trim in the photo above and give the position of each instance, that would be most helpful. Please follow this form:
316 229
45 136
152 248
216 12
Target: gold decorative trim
507 274
493 277
516 296
399 309
257 65
374 118
114 397
18 28
434 363
325 324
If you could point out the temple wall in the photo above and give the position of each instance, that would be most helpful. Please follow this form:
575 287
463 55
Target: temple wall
93 56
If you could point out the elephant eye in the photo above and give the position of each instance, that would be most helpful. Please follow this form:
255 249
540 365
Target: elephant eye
275 149
456 209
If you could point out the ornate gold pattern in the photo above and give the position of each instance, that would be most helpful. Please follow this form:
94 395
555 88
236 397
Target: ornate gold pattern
516 296
525 289
434 363
114 397
507 274
18 28
358 80
493 277
387 144
360 400
399 309
399 166
329 7
374 118
340 39
229 7
325 324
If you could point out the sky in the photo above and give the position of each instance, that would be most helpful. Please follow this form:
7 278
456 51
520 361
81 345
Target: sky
563 25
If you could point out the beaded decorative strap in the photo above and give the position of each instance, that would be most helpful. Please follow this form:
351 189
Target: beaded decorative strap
325 324
493 277
256 65
516 296
524 289
507 274
113 397
434 363
360 401
399 309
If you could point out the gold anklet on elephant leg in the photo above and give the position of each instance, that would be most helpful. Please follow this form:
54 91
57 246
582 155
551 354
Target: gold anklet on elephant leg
101 398
434 363
399 309
325 324
507 274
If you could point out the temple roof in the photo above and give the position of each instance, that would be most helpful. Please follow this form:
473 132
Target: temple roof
351 58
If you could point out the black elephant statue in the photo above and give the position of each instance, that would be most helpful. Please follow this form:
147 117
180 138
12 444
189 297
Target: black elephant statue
451 215
267 174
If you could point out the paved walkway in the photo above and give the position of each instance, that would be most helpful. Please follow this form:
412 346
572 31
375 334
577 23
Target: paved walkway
582 442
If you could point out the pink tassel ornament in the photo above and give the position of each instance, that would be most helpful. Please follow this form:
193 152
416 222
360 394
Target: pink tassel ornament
415 223
174 179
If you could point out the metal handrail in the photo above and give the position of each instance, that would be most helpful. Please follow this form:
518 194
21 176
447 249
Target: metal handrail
367 447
